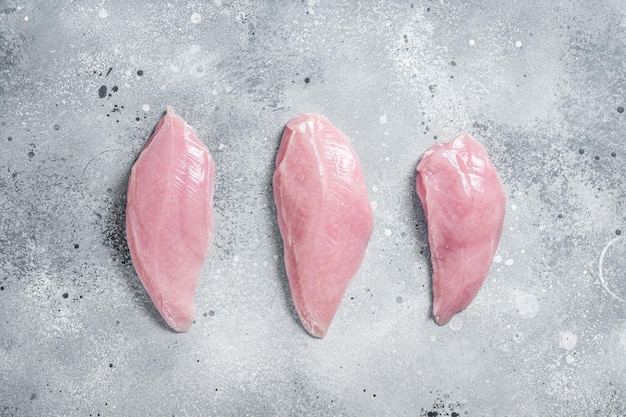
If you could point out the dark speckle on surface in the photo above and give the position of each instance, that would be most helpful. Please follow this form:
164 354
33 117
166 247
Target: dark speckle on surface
581 151
307 80
443 407
597 157
65 295
102 91
618 232
620 109
140 73
31 154
10 138
56 127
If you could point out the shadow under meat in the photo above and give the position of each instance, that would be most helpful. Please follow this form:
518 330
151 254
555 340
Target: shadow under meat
421 232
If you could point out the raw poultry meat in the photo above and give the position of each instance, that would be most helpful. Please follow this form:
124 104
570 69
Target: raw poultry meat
464 203
324 215
169 217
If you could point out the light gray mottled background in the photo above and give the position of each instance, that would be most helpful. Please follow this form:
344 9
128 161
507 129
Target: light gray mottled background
540 84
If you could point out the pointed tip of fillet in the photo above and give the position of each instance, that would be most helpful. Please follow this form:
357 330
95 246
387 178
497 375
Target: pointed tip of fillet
442 320
177 313
184 328
315 330
170 111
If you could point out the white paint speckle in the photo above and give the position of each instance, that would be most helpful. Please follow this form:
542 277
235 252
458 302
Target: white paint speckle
26 18
374 205
145 107
455 323
570 359
518 44
527 305
383 119
433 338
386 159
497 259
196 18
387 232
103 14
513 207
508 262
221 146
236 258
375 189
523 251
472 42
568 340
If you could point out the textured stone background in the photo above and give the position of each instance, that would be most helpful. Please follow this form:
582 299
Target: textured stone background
541 84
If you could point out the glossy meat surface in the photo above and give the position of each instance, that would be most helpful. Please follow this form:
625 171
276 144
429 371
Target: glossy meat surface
169 217
324 216
464 203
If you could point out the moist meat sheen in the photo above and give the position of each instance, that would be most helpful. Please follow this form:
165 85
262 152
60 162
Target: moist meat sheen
169 217
464 203
324 215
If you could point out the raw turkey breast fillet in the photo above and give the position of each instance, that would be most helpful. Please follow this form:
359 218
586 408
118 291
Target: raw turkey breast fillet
169 217
324 215
464 203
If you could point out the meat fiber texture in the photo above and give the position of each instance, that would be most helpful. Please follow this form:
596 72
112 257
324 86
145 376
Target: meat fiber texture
324 215
464 203
169 217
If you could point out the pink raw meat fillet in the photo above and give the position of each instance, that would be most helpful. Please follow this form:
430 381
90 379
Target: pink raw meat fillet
169 217
324 215
464 203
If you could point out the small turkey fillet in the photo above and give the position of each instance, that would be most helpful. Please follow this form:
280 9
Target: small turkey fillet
324 215
464 203
169 217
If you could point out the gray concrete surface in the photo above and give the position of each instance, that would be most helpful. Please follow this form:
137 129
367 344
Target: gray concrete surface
541 84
